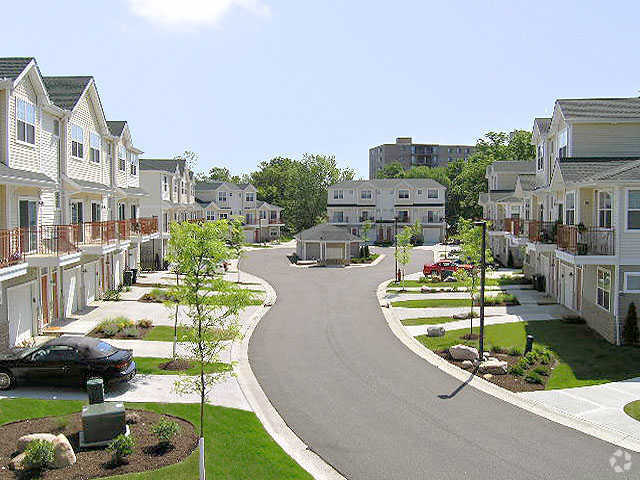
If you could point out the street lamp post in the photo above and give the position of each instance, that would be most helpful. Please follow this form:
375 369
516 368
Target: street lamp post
482 281
395 241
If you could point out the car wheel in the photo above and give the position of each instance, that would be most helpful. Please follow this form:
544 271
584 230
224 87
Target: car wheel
7 381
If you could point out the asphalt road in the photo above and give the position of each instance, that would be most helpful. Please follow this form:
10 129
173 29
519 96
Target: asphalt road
360 399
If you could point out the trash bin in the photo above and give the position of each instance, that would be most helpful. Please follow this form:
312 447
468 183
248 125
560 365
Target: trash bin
127 277
95 390
135 275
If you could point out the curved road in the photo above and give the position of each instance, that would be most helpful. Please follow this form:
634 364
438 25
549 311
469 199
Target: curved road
360 399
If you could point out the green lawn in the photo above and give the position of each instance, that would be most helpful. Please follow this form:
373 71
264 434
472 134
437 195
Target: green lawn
584 358
409 322
489 281
151 366
633 409
164 333
236 444
452 302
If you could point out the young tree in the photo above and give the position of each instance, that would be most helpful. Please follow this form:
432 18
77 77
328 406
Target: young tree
236 239
212 304
404 246
631 334
470 237
366 228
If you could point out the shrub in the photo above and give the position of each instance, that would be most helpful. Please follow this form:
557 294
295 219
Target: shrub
630 332
108 328
541 371
516 370
531 358
165 430
39 455
498 349
145 323
130 331
515 351
112 295
533 377
123 322
121 447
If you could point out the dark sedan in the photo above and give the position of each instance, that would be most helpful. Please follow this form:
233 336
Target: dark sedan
68 361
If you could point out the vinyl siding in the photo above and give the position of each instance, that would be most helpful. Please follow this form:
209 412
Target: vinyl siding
24 157
605 139
3 125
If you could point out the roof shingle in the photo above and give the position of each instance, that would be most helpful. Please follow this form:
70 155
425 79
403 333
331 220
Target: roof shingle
66 91
116 127
600 108
12 67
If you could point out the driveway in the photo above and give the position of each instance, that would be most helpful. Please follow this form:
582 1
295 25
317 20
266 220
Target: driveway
359 398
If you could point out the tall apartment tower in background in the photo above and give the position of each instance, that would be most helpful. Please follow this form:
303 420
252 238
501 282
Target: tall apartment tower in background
410 154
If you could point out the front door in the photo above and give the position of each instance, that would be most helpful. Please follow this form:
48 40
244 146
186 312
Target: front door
256 236
54 289
77 218
29 223
95 212
45 299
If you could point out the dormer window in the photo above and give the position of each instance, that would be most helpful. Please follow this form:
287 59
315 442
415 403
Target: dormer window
94 147
26 121
77 141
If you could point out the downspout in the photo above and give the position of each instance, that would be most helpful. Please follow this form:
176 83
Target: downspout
618 244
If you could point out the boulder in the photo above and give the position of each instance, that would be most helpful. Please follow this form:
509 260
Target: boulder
487 376
63 452
460 316
467 364
16 462
435 331
425 289
494 367
27 439
463 352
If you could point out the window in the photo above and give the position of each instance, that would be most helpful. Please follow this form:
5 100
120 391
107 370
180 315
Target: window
263 214
540 156
562 144
222 197
633 209
165 183
604 288
55 127
94 147
182 189
223 216
77 142
26 121
632 282
122 158
570 203
430 217
403 193
134 163
249 197
338 217
96 209
365 194
432 193
210 215
604 209
419 192
338 194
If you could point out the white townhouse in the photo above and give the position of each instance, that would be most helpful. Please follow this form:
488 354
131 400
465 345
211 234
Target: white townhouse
60 245
581 225
170 184
352 203
262 221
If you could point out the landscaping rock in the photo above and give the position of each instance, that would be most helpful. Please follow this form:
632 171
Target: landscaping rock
131 418
435 331
487 376
460 316
16 462
463 352
27 439
467 364
494 367
425 289
63 452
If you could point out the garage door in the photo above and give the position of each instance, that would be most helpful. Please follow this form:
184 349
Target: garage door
313 250
431 235
20 301
335 252
90 280
70 290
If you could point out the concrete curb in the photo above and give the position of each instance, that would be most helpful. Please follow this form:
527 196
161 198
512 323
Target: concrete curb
273 423
601 432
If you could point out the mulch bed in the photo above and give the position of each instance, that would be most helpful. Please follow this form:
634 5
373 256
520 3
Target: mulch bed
179 364
95 333
508 381
96 463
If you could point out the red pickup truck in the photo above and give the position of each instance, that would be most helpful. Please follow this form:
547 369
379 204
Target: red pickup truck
442 266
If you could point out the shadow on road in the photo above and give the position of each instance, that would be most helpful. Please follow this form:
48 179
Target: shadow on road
459 387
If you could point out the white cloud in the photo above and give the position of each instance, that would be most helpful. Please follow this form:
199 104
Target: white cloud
192 13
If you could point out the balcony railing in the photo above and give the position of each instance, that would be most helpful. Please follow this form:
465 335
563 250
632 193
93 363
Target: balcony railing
274 220
496 225
92 233
586 240
515 226
52 239
11 251
433 220
124 229
542 232
148 225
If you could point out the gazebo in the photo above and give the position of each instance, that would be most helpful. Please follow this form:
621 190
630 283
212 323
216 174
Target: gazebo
327 245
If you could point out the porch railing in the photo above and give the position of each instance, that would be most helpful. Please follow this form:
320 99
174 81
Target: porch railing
53 239
11 247
513 225
586 240
542 232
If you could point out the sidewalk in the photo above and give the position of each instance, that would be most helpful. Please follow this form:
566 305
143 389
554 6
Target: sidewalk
599 404
524 311
417 330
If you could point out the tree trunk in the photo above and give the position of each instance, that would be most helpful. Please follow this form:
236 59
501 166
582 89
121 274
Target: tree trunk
175 323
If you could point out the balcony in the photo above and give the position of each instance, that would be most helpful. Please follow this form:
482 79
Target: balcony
514 226
580 240
96 233
148 225
124 229
11 248
542 232
275 221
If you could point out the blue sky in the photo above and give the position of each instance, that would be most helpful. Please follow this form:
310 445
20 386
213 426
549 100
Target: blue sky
240 81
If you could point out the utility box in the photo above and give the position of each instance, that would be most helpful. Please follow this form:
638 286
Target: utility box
101 423
95 390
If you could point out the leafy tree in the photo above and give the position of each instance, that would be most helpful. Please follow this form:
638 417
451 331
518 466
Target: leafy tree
404 245
631 334
470 237
212 304
221 174
391 170
236 239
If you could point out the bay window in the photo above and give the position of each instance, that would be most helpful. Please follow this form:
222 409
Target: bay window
77 141
365 194
403 194
26 121
338 194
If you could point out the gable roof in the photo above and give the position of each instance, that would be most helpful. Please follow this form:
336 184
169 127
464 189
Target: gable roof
328 232
260 204
513 166
116 127
600 108
632 174
543 124
203 185
12 67
164 164
527 181
66 91
582 169
390 182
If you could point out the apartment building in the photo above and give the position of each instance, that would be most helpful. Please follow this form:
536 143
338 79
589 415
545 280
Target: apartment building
578 215
410 154
61 246
217 200
171 187
352 203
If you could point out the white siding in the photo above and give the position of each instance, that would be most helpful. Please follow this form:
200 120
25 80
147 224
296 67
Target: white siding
605 139
24 157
